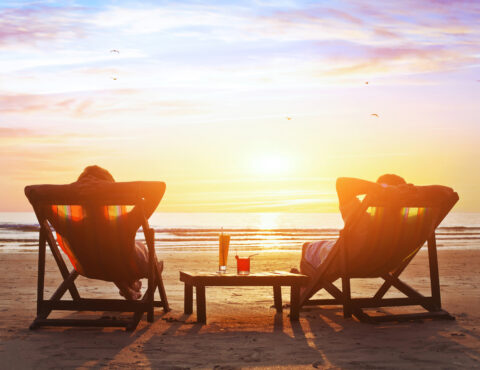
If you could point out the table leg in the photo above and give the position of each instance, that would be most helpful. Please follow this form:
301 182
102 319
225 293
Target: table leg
201 304
277 297
294 302
188 300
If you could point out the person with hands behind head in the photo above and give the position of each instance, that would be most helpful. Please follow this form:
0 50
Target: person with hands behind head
129 284
348 191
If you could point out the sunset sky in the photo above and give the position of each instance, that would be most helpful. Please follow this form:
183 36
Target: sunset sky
252 106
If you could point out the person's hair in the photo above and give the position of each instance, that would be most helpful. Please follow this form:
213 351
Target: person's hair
96 172
391 179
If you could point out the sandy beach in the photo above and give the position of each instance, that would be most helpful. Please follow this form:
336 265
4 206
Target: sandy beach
243 330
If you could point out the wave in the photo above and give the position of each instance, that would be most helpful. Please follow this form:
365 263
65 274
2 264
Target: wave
20 227
35 227
459 228
244 230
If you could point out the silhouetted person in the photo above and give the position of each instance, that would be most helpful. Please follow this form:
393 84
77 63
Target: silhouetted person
348 189
117 242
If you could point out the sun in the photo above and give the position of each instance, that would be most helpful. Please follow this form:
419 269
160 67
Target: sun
271 165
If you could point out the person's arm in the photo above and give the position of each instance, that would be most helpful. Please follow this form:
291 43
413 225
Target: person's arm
348 188
154 193
151 205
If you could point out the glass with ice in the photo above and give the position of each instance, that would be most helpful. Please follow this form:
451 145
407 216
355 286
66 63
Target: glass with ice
223 244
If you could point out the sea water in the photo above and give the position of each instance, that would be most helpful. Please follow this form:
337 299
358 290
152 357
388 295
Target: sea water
249 231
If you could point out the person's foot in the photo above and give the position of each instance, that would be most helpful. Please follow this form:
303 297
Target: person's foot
130 294
127 292
136 285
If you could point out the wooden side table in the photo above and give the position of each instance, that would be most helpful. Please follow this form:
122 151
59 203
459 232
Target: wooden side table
276 279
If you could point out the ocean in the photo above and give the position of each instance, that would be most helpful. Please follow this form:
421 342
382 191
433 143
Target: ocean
249 231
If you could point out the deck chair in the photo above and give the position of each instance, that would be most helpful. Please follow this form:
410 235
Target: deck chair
96 218
398 228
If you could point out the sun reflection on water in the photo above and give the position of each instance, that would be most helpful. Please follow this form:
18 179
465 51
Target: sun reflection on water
268 221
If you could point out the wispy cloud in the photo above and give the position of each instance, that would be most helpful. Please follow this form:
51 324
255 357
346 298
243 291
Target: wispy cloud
401 60
28 103
9 132
94 104
30 25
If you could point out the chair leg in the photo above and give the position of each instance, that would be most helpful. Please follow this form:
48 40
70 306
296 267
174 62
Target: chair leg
386 285
58 294
354 309
135 320
161 287
409 291
163 296
41 271
150 297
347 297
150 315
434 276
58 259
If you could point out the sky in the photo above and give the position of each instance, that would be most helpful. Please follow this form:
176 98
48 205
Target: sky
252 106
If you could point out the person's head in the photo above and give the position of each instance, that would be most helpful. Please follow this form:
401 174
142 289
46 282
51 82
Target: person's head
390 179
95 173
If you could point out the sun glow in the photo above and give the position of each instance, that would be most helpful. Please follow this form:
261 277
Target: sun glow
271 165
268 221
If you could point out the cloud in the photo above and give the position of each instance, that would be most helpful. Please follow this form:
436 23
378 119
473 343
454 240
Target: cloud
317 15
399 60
30 103
386 33
40 23
9 132
27 138
111 103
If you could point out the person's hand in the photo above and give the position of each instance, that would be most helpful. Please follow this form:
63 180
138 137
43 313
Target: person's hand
378 189
384 191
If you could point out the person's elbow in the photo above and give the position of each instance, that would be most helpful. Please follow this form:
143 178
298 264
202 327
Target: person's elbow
341 184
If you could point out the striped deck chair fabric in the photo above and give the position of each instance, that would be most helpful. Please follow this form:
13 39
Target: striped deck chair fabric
393 234
97 241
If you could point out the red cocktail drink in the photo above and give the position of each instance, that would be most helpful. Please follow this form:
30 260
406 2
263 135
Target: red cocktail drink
243 265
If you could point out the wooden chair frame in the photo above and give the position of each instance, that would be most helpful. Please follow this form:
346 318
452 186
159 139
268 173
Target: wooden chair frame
77 303
355 306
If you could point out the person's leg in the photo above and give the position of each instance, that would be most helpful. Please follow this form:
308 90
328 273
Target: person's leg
141 259
131 290
294 270
313 254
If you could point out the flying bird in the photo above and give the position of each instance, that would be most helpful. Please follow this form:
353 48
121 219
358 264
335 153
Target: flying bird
114 51
374 114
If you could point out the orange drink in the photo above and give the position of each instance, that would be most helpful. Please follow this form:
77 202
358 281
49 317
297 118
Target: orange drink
223 244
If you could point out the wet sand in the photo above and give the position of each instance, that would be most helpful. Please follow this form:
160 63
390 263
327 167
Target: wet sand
243 330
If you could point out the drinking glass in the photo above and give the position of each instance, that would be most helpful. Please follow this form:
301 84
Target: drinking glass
243 265
223 244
